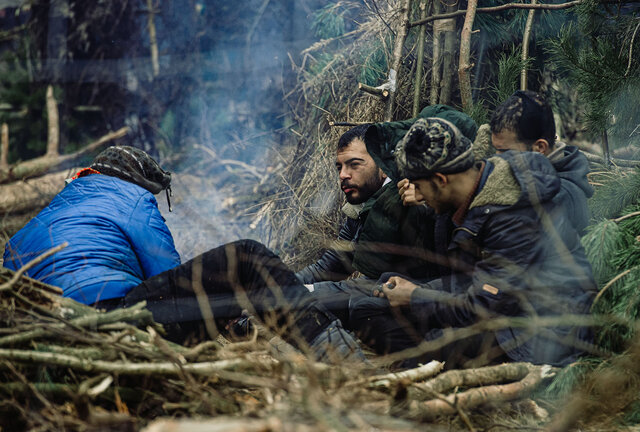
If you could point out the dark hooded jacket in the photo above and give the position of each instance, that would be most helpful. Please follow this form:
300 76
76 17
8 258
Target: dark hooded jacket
515 254
384 235
572 169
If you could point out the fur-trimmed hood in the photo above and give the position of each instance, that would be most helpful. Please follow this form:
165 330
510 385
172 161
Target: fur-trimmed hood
518 179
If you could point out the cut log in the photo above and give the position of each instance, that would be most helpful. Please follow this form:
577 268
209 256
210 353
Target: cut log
42 165
34 194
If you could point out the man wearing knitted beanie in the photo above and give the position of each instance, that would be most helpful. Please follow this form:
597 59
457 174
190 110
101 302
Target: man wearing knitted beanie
511 253
120 252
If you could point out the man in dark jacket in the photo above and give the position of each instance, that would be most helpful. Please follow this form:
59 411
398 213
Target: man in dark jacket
511 253
120 252
524 122
380 234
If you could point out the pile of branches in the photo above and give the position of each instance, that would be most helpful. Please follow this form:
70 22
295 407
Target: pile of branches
67 366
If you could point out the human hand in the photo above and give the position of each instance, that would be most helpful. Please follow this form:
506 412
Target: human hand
397 290
410 196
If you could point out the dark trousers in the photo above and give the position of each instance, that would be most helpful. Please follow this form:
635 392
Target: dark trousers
222 282
337 297
389 330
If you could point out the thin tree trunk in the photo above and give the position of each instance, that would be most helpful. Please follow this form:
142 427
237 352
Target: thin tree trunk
436 63
420 61
153 39
449 30
53 120
397 58
464 65
605 148
525 47
4 146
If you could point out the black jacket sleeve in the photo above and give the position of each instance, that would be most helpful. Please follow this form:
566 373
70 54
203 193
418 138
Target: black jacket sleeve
335 264
500 282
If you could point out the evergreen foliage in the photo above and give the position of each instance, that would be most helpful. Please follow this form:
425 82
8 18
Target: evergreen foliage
597 56
329 22
375 67
617 190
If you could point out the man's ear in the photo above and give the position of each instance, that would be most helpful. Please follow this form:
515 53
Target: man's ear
440 179
541 146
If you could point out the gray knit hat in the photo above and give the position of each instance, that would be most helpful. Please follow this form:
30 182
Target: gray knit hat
433 145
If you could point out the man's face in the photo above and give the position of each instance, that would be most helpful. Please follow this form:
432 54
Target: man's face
507 140
360 177
434 196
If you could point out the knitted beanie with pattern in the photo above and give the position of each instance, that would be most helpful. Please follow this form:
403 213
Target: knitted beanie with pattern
433 145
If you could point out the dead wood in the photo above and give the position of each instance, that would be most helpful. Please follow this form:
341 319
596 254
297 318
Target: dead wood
375 91
473 398
44 164
471 378
417 374
31 194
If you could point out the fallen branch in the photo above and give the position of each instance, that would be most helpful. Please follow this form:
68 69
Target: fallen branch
420 373
375 91
42 165
472 377
470 399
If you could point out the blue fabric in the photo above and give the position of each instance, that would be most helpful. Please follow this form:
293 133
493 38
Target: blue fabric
116 234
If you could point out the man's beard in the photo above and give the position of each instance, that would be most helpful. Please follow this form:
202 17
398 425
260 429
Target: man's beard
365 191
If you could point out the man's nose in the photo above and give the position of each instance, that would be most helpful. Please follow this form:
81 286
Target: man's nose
344 173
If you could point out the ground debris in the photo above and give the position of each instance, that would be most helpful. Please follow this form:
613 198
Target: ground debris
67 366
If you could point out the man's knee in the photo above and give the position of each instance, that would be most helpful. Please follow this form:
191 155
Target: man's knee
364 308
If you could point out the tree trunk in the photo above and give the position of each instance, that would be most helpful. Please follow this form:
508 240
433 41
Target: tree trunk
419 64
53 125
401 36
153 40
449 32
4 147
464 65
525 47
436 63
